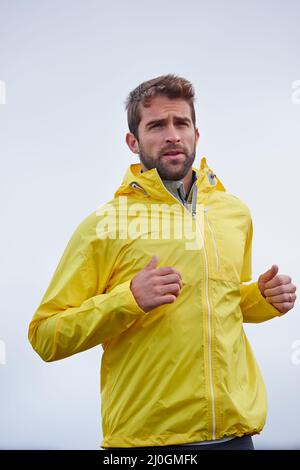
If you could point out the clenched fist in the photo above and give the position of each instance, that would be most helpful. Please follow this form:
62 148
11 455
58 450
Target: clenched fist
153 286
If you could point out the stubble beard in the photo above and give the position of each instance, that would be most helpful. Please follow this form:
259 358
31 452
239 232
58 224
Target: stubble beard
168 170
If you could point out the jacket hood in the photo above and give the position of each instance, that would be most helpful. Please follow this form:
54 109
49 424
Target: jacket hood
151 183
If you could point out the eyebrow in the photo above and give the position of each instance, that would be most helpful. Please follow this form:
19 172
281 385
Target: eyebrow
177 118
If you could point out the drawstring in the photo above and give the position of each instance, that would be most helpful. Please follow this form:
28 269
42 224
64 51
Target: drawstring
134 184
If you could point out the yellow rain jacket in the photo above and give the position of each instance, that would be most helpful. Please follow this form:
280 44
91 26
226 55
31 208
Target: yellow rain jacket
183 372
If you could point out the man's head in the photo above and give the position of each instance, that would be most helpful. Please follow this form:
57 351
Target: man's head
161 119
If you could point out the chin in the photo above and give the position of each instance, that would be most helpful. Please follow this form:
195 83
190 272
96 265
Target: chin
171 175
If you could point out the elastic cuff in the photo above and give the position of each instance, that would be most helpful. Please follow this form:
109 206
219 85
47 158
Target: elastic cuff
263 303
128 297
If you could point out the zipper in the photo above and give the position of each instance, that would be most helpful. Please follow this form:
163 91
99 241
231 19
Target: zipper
209 334
209 350
193 215
213 239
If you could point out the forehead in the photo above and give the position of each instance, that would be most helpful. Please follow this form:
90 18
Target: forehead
162 106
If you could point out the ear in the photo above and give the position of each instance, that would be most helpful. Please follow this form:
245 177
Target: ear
132 142
197 134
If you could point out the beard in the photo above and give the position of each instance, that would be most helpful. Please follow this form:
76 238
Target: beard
168 170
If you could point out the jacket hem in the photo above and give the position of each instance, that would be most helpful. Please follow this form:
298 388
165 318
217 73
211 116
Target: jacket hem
166 440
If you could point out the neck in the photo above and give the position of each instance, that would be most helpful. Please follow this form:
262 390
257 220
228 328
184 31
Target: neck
187 179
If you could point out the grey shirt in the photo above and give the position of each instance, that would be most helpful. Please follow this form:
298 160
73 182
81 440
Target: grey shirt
177 189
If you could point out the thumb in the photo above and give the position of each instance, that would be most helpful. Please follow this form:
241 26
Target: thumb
152 263
269 274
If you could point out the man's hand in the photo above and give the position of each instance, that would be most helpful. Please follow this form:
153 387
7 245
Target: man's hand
277 289
152 287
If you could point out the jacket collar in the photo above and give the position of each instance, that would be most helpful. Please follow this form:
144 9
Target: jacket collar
151 185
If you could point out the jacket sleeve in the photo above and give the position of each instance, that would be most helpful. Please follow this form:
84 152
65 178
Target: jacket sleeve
70 317
254 306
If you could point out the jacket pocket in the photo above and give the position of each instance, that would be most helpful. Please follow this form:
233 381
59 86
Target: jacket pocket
226 250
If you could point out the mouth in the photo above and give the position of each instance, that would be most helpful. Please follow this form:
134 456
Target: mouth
173 153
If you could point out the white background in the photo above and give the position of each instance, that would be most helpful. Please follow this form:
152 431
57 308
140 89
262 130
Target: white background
68 67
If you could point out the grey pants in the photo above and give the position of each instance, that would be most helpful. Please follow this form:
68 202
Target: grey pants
238 443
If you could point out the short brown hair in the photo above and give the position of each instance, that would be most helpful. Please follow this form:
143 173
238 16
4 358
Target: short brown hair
169 85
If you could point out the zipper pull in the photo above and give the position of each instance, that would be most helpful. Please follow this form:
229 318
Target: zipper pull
194 201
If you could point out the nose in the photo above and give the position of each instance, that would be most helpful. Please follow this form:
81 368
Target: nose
172 135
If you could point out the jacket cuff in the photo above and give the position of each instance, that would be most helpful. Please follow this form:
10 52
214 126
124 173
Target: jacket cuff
127 298
254 305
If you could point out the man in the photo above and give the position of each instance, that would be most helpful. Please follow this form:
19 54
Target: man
156 276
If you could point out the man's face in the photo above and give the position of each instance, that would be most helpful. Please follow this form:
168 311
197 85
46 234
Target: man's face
166 126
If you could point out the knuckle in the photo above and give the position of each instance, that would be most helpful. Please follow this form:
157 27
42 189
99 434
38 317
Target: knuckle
174 289
157 290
